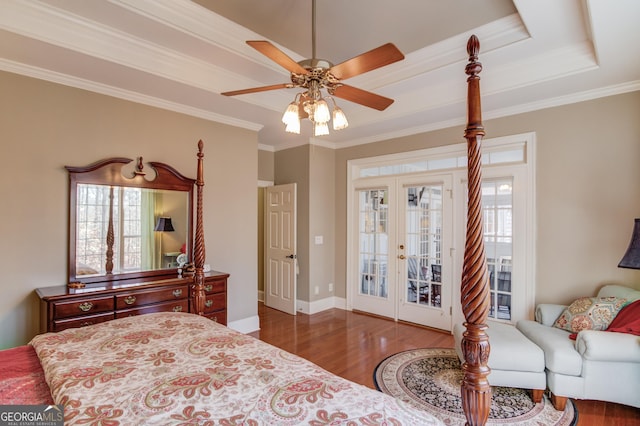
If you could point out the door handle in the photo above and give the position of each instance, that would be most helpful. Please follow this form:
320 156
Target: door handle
291 256
402 256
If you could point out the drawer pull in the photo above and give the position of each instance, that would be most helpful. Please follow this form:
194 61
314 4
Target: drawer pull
130 300
177 293
208 287
85 307
177 308
208 303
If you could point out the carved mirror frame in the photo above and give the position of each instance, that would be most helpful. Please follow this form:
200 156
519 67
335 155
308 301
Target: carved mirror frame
109 172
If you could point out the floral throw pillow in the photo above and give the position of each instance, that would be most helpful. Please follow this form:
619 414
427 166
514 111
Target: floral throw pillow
590 313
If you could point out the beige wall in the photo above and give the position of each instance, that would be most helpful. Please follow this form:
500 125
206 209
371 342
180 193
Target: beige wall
292 166
45 126
321 221
265 165
587 190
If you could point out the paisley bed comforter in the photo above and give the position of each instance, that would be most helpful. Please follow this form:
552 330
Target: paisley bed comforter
177 368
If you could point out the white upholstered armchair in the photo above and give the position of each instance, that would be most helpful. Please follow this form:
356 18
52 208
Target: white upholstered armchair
600 365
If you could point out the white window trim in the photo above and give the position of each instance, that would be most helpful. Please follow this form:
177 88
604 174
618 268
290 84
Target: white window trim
524 192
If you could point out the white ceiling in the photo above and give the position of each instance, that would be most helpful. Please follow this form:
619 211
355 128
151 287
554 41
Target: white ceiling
179 55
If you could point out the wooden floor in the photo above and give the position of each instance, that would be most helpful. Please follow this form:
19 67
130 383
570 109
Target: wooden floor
351 345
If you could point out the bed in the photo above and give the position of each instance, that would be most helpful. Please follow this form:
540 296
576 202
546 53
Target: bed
181 368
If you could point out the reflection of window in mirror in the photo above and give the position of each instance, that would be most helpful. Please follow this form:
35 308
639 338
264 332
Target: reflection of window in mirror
134 213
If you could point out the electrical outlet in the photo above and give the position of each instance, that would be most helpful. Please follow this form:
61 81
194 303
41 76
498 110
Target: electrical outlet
317 290
330 287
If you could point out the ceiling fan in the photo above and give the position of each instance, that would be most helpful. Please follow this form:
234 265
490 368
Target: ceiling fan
316 74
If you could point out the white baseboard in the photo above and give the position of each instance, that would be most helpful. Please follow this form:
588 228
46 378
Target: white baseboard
246 325
316 306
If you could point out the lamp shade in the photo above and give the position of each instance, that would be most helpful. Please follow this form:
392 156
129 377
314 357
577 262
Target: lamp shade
631 258
164 225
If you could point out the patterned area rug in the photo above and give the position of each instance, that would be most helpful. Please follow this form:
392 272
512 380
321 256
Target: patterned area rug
430 379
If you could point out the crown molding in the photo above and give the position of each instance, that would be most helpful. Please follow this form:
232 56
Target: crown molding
567 61
323 143
264 147
573 98
293 144
505 76
587 95
197 21
92 86
46 23
495 35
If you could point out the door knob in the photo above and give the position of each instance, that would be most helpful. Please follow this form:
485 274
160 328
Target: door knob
401 246
291 256
402 256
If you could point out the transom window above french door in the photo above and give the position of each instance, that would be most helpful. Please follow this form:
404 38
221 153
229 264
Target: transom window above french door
405 247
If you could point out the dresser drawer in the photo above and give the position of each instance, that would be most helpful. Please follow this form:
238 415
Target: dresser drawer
145 297
215 285
174 306
73 308
59 325
220 317
215 302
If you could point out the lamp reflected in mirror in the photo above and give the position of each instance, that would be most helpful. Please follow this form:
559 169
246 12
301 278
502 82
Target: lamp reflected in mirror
163 225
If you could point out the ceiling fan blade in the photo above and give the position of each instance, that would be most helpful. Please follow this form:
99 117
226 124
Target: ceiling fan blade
258 89
277 55
362 97
376 58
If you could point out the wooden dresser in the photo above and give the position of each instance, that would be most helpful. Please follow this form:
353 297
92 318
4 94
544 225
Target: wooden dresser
62 307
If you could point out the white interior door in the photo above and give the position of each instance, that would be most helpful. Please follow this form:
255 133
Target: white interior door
280 251
424 252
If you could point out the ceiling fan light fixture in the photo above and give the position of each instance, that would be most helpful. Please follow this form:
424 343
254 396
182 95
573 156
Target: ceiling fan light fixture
291 114
293 127
321 129
321 112
339 119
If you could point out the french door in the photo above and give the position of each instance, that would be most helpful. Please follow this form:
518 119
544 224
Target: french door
403 250
424 251
375 290
406 231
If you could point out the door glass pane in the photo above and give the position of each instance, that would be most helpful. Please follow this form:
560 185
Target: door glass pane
497 207
424 245
373 242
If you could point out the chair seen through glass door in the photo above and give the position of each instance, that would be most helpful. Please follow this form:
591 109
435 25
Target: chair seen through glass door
424 245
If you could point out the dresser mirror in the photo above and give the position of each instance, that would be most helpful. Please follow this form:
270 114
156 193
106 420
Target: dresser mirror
127 223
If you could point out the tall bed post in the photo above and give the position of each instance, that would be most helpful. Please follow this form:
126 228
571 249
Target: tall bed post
198 246
476 392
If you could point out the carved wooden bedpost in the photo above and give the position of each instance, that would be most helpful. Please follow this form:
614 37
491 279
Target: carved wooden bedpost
476 392
198 246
